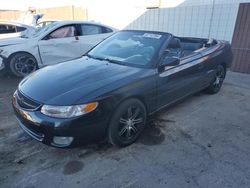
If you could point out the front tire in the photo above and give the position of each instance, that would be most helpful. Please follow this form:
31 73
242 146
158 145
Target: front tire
216 84
22 64
127 123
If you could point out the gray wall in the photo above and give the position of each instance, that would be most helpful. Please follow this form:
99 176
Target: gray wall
193 18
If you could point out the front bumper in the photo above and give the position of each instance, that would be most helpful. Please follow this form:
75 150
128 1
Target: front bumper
90 127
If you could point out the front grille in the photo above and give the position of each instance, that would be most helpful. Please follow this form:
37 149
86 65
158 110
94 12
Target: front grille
25 102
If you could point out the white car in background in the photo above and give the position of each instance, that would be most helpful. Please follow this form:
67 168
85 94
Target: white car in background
13 29
54 43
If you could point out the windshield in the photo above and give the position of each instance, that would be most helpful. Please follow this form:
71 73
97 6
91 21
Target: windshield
130 47
40 30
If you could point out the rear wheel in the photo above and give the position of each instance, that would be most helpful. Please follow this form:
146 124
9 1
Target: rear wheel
216 84
127 123
22 64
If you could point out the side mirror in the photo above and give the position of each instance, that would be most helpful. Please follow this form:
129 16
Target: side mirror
168 62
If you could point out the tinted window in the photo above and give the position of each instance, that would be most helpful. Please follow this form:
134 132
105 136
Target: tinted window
106 30
19 29
63 32
41 30
7 28
88 29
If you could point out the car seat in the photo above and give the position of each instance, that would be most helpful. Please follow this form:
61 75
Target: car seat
174 48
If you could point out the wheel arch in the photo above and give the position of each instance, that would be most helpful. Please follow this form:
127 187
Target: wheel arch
7 62
138 97
111 136
224 66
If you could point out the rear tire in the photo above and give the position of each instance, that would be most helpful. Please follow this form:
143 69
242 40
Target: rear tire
216 84
22 64
127 123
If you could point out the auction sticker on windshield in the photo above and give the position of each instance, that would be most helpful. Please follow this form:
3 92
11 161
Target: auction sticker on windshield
151 35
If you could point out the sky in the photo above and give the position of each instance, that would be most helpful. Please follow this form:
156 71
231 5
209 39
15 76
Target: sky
116 13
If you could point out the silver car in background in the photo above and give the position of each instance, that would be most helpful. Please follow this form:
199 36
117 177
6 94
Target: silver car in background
54 43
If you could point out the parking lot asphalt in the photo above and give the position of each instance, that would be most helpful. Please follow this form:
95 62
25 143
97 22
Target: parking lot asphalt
203 141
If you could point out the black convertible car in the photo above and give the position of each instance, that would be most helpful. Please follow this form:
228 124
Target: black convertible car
111 90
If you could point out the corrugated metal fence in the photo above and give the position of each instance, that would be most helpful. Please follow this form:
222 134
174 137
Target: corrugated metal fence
205 21
229 21
241 40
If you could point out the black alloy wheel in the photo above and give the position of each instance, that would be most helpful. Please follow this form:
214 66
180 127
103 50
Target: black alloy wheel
22 64
127 123
215 86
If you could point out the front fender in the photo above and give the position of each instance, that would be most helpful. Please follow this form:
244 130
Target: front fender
143 89
10 50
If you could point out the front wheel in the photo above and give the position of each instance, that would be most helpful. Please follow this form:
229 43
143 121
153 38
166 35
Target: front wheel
22 64
127 123
216 84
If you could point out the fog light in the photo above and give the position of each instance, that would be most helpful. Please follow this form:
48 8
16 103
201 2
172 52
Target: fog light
62 141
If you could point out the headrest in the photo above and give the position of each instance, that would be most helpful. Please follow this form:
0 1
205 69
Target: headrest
174 43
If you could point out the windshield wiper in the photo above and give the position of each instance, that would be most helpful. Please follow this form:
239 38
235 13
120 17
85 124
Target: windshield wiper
94 57
104 59
110 60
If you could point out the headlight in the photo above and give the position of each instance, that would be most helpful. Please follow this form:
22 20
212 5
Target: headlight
68 111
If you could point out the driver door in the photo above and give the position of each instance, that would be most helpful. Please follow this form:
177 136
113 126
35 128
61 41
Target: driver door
176 82
60 45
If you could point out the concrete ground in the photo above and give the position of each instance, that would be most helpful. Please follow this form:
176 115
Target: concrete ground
204 141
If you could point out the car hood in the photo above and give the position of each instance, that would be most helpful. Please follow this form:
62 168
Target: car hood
77 81
12 41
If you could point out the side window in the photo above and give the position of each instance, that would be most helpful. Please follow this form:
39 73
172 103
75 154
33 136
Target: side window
63 32
2 29
19 29
88 29
7 28
106 30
